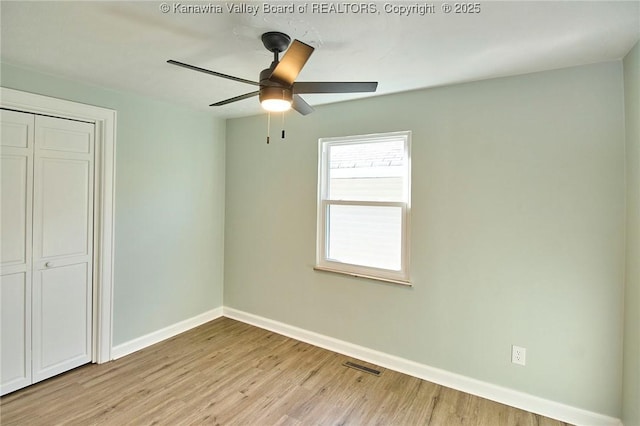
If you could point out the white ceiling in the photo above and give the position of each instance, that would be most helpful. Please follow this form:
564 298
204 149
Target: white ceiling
125 44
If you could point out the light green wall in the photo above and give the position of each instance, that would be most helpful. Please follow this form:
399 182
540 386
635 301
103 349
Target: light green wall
518 231
518 226
169 220
631 389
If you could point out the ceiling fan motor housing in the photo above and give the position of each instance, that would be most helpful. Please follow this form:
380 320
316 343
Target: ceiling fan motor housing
270 89
274 92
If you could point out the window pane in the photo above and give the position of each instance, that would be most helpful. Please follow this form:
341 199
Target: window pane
372 171
365 235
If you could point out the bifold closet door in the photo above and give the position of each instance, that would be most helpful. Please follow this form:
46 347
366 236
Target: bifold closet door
16 194
47 247
62 246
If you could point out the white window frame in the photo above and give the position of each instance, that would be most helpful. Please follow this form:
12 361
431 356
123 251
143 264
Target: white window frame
323 263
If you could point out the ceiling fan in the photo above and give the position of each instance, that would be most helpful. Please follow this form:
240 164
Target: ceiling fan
278 90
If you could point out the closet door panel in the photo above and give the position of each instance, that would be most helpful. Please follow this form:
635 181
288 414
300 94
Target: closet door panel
61 330
71 138
16 190
65 207
16 182
15 214
17 129
62 246
15 328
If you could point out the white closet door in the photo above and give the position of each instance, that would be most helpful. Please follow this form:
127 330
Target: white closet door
16 171
62 246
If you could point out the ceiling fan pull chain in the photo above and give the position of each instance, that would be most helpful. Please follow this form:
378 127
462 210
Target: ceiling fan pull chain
268 126
282 124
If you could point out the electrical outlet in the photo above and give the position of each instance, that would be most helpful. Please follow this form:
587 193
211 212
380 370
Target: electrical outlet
518 355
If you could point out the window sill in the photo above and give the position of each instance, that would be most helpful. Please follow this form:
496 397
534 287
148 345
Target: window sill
370 277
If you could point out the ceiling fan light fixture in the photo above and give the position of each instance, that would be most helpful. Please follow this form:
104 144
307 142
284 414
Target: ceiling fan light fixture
276 99
276 105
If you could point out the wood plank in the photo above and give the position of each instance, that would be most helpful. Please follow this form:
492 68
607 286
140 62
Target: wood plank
227 373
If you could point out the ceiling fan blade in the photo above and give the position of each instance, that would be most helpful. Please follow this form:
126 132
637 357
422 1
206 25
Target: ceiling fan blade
334 86
301 105
292 62
217 74
237 98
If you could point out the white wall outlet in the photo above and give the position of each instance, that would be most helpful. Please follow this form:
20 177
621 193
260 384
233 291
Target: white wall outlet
518 355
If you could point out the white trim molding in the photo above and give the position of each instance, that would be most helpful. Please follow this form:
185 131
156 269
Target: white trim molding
469 385
105 139
165 333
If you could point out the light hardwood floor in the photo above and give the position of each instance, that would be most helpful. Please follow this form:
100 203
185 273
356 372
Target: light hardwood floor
229 373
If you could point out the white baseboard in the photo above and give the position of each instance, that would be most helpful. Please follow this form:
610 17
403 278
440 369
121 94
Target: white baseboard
163 334
479 388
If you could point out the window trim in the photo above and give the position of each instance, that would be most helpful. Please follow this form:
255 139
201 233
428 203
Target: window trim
323 263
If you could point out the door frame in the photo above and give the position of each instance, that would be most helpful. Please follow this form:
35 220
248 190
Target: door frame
104 200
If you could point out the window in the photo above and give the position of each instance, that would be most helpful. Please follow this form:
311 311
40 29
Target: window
364 205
